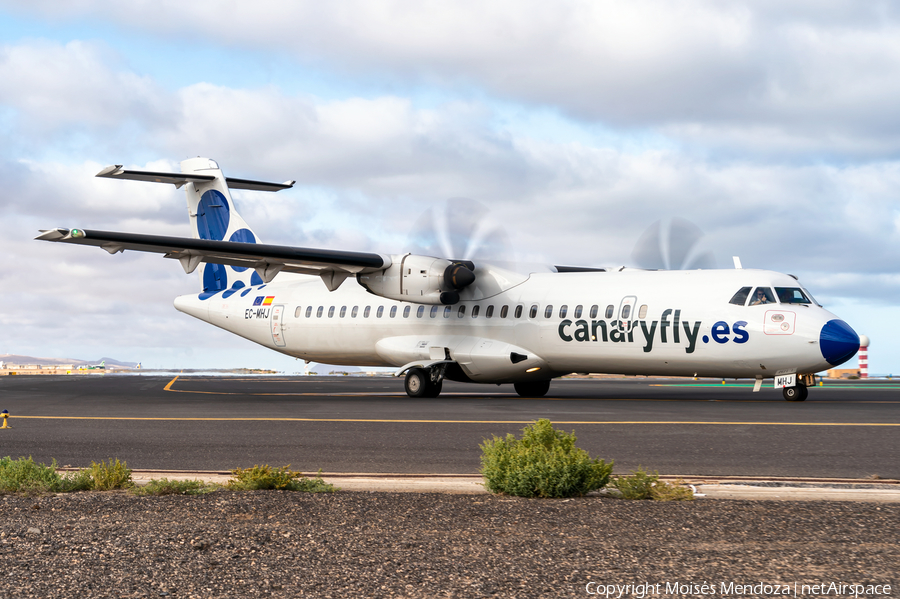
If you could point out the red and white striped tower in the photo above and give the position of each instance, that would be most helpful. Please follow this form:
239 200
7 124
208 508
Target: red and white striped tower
863 357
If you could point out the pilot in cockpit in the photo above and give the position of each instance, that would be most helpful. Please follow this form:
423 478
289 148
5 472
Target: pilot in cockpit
761 297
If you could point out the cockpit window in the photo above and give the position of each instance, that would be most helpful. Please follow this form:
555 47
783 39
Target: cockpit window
791 295
740 298
810 296
762 295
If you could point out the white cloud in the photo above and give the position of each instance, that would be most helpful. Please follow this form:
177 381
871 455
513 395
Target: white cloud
52 86
810 77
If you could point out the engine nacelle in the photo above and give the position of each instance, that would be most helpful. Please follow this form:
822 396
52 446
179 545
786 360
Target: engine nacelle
420 279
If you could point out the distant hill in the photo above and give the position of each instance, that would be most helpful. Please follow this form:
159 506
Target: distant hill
17 359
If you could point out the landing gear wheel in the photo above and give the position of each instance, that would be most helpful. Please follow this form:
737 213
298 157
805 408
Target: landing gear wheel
532 388
416 383
798 393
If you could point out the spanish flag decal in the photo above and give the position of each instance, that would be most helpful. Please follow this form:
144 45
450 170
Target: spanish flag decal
268 301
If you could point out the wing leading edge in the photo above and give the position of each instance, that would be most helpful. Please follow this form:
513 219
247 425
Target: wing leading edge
268 260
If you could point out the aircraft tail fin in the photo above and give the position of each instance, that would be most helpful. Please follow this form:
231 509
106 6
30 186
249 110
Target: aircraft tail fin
212 214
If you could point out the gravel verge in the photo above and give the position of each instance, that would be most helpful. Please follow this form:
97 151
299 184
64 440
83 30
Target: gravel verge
374 544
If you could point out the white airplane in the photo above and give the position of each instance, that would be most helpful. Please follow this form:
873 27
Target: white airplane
436 318
100 366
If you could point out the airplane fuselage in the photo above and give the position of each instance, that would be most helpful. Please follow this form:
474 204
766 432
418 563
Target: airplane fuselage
630 322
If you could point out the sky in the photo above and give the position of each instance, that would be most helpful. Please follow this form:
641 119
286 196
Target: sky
772 126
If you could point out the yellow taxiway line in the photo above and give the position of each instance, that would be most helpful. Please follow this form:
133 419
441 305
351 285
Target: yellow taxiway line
169 388
428 421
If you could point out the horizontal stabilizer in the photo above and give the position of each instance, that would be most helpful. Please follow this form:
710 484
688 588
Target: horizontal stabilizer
179 179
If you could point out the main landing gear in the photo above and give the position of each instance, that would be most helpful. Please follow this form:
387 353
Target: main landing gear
427 382
421 382
532 388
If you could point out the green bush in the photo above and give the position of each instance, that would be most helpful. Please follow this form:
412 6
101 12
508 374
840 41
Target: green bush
673 491
25 476
112 475
164 486
637 486
543 463
265 477
80 480
646 485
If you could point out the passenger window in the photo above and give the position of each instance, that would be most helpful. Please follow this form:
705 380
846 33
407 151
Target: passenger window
533 312
434 310
563 310
489 312
740 298
762 295
354 311
609 311
420 312
447 310
462 311
393 311
343 311
626 311
548 311
331 312
791 295
578 310
379 312
504 311
366 311
297 312
594 309
518 311
475 311
319 312
406 311
643 312
309 311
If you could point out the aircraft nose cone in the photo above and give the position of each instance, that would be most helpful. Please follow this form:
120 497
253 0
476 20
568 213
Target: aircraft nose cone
838 342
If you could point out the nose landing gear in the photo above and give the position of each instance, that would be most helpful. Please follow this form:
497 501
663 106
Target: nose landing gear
797 393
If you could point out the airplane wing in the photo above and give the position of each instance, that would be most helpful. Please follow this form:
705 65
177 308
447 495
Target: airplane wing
333 266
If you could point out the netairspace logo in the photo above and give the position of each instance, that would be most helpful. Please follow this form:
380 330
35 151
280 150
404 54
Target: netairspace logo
726 589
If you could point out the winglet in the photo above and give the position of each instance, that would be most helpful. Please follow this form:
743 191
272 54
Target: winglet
53 234
110 171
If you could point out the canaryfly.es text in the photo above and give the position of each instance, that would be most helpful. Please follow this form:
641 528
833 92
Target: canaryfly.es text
669 328
736 589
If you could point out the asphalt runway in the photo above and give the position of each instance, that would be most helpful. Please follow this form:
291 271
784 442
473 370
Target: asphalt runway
368 424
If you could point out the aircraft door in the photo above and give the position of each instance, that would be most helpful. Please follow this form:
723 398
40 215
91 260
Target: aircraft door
276 323
627 313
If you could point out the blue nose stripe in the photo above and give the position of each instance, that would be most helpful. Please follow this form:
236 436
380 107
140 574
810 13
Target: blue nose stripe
838 342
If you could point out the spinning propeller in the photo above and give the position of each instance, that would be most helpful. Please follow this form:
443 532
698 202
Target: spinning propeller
460 229
672 246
